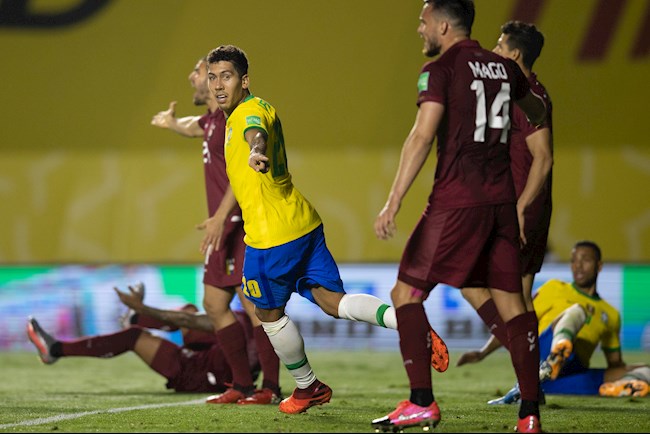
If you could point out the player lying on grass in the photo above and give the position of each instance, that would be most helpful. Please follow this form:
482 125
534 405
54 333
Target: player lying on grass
573 320
187 368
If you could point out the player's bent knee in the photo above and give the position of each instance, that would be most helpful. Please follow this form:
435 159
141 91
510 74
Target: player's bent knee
476 297
577 310
273 328
328 300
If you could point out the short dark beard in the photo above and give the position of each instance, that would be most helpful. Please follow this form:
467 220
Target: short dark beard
432 52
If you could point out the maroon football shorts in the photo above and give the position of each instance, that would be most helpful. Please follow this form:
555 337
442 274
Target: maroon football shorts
464 247
536 229
203 371
224 266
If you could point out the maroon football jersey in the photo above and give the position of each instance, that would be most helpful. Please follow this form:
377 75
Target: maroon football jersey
478 89
214 163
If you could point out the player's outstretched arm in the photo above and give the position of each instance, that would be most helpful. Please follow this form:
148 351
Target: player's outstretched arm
476 356
177 318
187 126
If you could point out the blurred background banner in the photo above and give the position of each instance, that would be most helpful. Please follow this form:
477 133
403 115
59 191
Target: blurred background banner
78 300
85 178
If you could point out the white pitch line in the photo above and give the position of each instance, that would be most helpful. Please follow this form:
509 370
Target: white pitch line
90 413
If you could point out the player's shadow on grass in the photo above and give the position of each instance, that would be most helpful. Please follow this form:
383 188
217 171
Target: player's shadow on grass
596 409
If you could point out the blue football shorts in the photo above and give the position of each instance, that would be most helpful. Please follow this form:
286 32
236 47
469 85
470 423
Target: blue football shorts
272 275
574 378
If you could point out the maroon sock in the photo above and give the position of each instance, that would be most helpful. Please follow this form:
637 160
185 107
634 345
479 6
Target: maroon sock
413 327
268 360
490 316
105 346
152 323
232 341
524 352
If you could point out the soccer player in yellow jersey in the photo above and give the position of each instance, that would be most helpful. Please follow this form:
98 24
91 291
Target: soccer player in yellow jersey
285 243
573 321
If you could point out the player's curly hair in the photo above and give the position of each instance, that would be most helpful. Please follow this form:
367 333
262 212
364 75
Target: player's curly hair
232 54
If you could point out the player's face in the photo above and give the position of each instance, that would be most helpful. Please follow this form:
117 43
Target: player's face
225 84
199 80
503 49
584 266
428 30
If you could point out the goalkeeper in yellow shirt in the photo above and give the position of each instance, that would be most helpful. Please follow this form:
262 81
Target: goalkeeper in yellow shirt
573 321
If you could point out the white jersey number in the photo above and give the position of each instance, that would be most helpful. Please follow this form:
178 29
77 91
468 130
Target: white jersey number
498 117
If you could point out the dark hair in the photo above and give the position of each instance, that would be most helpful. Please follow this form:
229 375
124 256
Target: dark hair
591 245
526 38
461 12
232 54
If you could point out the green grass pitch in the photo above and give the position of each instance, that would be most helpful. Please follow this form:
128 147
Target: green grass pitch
123 395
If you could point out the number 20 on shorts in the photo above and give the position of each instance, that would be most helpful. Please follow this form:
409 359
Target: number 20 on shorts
251 288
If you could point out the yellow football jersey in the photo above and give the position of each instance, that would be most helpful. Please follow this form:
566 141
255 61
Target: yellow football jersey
603 320
274 211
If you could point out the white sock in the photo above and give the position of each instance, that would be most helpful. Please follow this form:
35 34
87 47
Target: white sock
641 373
568 326
290 348
367 308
